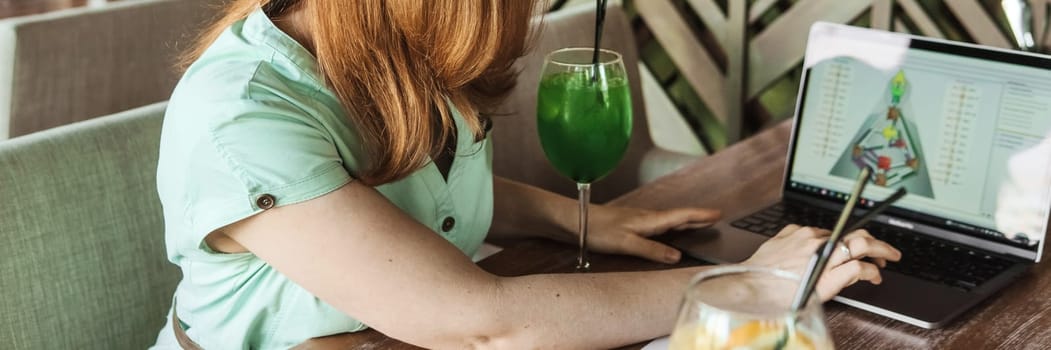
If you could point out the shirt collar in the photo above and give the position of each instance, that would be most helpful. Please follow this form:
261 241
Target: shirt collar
259 28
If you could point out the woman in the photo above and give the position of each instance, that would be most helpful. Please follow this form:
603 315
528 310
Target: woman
300 197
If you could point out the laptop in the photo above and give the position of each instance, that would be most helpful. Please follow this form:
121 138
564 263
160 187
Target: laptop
964 128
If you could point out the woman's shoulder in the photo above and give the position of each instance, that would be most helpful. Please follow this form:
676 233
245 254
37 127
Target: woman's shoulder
237 69
232 98
243 81
232 95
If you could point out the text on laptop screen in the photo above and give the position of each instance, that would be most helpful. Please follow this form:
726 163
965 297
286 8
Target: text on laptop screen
968 137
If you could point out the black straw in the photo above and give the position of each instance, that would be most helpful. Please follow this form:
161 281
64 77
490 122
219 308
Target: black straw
871 214
812 269
820 258
600 19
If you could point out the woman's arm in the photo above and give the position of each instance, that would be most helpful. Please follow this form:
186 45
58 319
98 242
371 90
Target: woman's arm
356 251
522 210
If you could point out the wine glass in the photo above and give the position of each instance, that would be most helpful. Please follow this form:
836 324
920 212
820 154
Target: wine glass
739 307
584 120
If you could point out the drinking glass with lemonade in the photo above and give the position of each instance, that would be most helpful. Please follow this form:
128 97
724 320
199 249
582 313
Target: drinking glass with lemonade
584 120
737 307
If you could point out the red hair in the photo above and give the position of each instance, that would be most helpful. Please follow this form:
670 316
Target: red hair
397 65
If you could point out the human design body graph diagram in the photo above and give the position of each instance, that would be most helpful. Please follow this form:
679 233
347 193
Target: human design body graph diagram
889 144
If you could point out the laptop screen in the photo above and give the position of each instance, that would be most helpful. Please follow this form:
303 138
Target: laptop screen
964 129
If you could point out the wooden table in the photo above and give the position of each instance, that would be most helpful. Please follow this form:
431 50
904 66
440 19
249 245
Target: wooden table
737 180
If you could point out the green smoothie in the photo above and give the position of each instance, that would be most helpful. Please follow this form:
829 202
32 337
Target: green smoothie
584 125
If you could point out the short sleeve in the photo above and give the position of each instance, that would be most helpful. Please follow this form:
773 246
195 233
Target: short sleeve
255 157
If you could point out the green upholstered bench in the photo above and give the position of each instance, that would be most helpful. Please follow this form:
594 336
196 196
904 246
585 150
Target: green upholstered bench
82 260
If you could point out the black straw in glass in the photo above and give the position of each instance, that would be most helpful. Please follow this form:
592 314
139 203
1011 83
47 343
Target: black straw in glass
600 19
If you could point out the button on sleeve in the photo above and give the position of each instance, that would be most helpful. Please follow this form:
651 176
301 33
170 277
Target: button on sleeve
448 224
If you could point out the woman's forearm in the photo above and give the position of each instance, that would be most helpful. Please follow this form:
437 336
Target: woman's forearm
593 311
521 210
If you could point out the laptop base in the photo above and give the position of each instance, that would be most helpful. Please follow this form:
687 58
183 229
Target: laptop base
904 298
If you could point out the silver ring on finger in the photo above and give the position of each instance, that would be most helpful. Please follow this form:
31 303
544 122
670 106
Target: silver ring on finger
846 250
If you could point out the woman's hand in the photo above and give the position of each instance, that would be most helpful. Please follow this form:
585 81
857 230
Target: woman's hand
792 248
620 230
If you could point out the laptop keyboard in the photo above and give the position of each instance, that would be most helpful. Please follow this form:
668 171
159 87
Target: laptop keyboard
923 257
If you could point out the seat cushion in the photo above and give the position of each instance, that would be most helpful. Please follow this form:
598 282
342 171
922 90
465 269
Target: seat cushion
81 236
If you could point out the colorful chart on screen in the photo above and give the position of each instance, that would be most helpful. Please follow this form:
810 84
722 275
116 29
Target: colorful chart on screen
888 143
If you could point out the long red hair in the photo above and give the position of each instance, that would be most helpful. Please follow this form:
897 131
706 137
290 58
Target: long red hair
397 65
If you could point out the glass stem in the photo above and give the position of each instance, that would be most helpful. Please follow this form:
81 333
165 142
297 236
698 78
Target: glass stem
583 265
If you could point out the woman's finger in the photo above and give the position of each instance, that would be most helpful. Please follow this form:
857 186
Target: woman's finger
883 261
862 245
802 231
649 249
842 276
841 254
662 221
694 225
809 232
787 230
859 233
863 233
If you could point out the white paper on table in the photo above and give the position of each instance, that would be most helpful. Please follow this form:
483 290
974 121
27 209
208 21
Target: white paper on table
657 344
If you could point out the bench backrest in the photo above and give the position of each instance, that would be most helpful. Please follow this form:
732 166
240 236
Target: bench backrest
82 259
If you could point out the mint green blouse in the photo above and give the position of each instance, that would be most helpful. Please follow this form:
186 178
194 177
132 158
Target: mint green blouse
250 127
